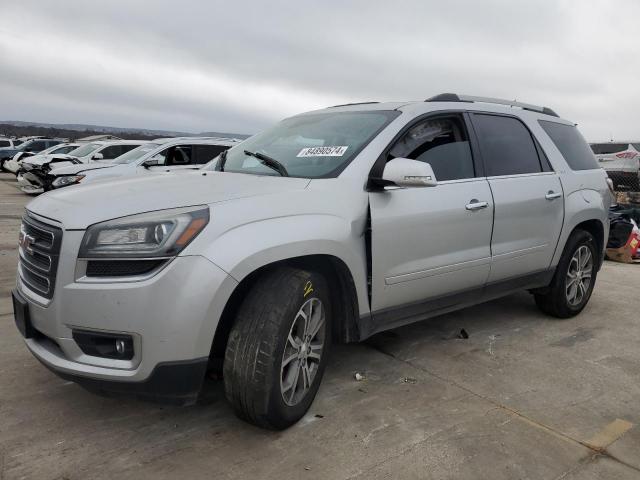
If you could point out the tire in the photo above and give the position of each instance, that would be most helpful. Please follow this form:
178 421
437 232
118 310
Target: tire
558 300
255 378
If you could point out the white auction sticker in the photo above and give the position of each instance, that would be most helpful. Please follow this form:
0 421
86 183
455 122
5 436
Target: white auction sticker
322 151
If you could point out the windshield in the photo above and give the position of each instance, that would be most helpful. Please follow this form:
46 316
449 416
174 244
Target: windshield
53 149
309 146
25 145
136 153
85 150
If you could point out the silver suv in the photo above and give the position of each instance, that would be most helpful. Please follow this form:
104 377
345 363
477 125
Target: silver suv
329 227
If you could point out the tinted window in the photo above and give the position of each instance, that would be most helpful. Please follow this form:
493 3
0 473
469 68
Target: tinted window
37 146
111 152
5 143
571 144
127 148
441 142
507 146
178 155
608 148
205 153
636 146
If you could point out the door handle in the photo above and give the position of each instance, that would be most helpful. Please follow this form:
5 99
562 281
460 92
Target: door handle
476 205
551 195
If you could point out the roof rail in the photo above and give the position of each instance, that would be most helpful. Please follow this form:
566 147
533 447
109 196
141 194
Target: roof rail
349 104
453 97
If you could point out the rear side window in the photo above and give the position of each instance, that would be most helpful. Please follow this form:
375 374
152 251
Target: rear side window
607 148
4 143
571 144
506 145
205 153
636 146
442 142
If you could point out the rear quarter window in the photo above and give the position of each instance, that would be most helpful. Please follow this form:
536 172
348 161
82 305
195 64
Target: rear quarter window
572 145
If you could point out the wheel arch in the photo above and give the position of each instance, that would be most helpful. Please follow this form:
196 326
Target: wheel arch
344 299
584 210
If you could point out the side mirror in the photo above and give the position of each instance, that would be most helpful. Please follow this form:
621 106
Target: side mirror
403 172
98 156
152 162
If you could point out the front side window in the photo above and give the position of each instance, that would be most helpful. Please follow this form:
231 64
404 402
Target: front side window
318 145
441 142
109 153
178 155
571 144
37 146
506 145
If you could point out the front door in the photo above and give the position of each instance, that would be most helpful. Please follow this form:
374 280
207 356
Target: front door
431 242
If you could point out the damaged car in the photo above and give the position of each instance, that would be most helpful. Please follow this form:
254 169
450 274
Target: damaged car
161 155
331 226
34 174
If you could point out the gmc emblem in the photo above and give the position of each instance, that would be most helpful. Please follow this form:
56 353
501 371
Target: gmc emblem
25 241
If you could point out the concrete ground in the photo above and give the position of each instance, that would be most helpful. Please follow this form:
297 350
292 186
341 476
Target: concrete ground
525 396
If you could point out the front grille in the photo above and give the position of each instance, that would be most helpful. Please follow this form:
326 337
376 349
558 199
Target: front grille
39 249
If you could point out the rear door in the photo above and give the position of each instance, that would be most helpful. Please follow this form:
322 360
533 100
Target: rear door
528 197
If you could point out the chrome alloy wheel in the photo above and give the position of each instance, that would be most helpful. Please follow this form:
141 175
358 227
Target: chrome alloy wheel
302 352
579 275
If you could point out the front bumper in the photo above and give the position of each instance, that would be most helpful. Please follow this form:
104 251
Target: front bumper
171 316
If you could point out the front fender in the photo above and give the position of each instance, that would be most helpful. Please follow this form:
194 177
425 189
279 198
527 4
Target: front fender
238 252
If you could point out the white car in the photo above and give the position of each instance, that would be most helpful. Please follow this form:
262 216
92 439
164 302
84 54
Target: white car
9 142
621 161
34 173
161 155
15 163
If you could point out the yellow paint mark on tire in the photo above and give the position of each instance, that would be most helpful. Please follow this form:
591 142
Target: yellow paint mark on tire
609 434
308 288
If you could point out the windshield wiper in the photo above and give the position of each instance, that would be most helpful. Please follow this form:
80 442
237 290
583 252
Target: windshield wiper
269 162
221 162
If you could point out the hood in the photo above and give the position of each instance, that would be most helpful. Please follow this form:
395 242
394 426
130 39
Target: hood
81 168
42 159
79 206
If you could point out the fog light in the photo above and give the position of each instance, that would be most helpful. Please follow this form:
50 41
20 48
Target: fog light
105 345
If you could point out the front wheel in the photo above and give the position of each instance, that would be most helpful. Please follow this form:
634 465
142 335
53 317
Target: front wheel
278 347
574 278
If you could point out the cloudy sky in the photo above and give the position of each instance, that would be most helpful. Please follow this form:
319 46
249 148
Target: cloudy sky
239 66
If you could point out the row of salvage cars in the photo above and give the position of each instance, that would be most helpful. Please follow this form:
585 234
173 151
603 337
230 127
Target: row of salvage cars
64 163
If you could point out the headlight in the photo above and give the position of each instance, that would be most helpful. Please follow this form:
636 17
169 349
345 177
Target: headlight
66 180
147 235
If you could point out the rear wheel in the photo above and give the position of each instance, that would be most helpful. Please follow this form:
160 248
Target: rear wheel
574 278
278 347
